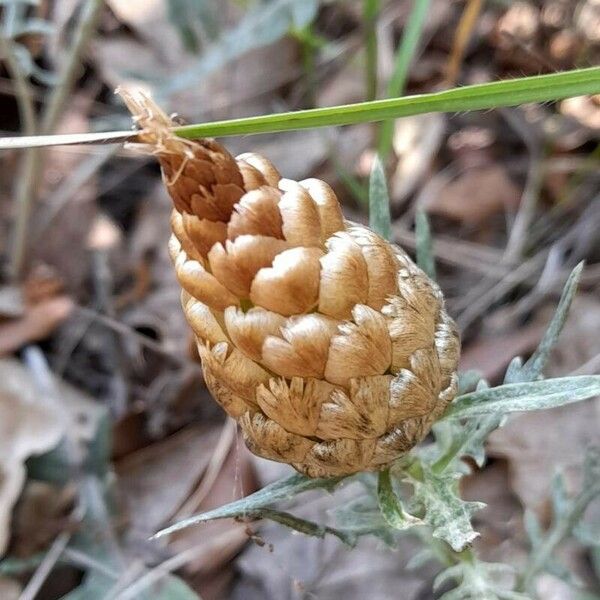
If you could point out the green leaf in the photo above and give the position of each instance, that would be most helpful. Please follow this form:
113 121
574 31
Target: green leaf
512 92
379 201
515 397
425 256
448 515
284 489
533 368
391 508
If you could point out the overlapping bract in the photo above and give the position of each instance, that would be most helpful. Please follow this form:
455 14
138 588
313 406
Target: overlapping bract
332 350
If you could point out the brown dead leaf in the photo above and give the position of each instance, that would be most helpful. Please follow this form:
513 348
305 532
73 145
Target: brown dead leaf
499 523
9 589
476 195
64 239
42 283
11 301
491 354
156 480
417 140
242 86
37 324
41 513
585 109
212 571
27 427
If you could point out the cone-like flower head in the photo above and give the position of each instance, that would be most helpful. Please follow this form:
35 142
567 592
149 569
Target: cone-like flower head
327 344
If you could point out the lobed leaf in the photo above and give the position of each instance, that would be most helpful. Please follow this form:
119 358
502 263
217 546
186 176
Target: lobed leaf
448 515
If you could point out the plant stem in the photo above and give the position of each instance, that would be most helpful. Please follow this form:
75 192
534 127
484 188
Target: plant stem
22 88
24 186
404 57
32 163
370 14
465 27
86 25
308 50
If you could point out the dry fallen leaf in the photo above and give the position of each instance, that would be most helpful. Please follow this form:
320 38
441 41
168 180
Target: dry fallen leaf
491 354
417 140
156 480
211 572
41 513
9 589
27 426
38 323
585 109
476 195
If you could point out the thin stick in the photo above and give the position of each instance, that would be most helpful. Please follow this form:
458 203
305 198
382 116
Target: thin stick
228 538
462 36
22 88
212 470
29 176
60 93
370 14
35 583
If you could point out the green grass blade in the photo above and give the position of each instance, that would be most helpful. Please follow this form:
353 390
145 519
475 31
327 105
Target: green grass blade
541 88
370 12
380 220
404 57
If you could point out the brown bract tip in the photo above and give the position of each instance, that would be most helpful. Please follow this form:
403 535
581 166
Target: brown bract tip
156 127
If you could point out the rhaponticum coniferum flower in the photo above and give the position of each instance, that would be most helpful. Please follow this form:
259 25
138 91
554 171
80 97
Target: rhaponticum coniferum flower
329 346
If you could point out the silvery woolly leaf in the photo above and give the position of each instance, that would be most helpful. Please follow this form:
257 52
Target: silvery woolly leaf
424 244
560 498
362 516
477 580
379 201
448 515
468 380
533 368
284 489
515 397
533 528
460 440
